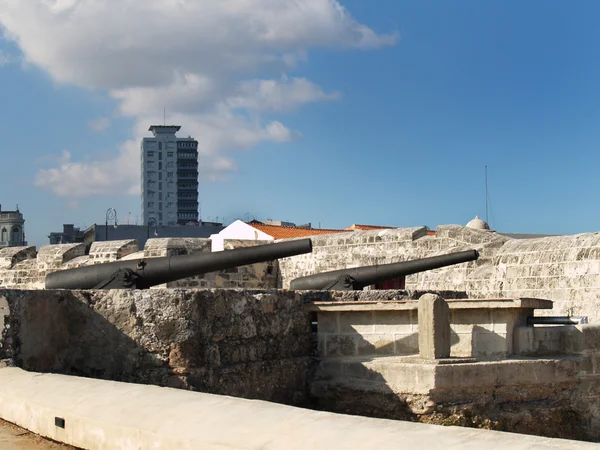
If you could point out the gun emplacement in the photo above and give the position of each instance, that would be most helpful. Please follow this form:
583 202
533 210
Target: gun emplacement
147 272
360 277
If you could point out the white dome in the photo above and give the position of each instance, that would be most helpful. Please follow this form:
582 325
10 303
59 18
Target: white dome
478 224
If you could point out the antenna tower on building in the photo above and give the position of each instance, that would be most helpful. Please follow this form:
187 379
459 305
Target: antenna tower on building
486 198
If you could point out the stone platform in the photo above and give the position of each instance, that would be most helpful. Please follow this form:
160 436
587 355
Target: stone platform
479 328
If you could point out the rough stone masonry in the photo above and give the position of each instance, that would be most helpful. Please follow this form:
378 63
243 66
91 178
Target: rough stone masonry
253 344
564 269
259 344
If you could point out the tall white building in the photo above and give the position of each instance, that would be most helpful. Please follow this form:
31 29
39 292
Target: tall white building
169 177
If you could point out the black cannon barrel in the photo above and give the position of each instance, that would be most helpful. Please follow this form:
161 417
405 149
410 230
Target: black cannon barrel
360 277
556 320
147 272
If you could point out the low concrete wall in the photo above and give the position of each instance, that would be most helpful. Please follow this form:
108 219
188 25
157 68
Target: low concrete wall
482 329
107 415
538 380
254 344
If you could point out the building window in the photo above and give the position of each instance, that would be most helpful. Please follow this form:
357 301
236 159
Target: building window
150 154
160 185
159 166
160 206
160 217
4 235
150 204
169 174
160 146
160 156
169 154
160 175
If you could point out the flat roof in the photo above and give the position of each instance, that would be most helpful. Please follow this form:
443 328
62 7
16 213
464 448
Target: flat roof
157 129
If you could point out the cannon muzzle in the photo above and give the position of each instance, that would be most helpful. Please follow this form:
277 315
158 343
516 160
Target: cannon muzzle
360 277
148 272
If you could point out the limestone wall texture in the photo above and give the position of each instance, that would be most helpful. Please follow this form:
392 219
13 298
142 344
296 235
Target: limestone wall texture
565 269
23 268
253 344
361 248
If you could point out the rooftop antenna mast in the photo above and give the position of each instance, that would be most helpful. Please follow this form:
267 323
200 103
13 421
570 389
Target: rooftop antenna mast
164 116
486 196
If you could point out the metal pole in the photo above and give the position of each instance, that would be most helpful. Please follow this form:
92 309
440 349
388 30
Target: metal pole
486 197
111 214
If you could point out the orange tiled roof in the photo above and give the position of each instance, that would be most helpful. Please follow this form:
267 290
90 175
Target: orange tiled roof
367 227
279 232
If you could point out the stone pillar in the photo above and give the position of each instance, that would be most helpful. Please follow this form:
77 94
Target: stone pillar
434 327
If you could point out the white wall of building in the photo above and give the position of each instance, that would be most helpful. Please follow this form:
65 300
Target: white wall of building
238 230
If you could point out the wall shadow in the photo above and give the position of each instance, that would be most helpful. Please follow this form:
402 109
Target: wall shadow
183 339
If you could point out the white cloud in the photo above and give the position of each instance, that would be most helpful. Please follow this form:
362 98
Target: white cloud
82 179
100 124
199 59
5 58
275 96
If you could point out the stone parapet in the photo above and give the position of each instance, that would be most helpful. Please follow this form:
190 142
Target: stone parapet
254 344
9 256
54 256
19 267
363 248
109 251
565 269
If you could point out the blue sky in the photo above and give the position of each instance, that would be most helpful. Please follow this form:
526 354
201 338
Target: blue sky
386 114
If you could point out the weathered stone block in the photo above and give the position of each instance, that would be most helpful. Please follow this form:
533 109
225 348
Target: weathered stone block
434 327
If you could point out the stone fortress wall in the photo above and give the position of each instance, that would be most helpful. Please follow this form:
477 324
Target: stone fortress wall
564 269
23 268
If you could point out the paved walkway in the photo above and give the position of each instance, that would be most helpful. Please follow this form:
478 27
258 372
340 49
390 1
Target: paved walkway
15 438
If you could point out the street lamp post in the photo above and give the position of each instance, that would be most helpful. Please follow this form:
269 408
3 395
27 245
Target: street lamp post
111 214
151 220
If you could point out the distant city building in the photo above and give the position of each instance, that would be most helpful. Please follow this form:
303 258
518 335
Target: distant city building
263 231
69 235
169 177
12 231
141 233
